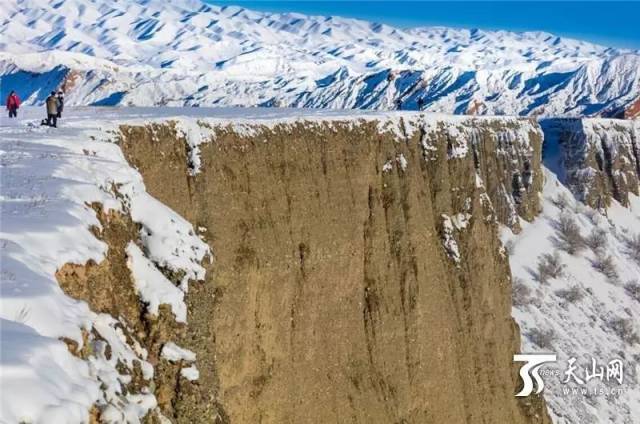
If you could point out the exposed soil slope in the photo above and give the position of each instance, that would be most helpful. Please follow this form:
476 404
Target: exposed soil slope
357 274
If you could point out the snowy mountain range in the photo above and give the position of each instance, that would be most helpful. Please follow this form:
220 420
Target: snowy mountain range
188 53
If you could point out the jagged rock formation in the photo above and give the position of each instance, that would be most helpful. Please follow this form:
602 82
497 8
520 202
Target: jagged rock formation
358 273
109 287
632 111
600 158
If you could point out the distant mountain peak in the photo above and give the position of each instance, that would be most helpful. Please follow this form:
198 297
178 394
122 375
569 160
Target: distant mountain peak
155 52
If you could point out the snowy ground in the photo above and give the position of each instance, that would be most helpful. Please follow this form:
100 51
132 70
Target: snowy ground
48 177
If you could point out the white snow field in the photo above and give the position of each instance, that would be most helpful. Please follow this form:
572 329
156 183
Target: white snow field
49 176
186 52
580 313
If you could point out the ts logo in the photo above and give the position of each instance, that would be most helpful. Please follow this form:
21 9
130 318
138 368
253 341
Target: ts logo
530 369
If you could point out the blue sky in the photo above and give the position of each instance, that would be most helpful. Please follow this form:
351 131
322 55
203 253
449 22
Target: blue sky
606 22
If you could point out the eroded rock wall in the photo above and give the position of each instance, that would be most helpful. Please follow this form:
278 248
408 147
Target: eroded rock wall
599 158
357 274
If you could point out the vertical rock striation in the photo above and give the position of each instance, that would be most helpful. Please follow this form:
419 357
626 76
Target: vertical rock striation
358 274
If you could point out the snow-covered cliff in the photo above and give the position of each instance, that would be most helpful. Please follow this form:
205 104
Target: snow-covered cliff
235 264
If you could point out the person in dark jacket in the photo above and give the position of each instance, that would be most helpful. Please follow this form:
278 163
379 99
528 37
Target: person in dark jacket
60 100
13 103
52 110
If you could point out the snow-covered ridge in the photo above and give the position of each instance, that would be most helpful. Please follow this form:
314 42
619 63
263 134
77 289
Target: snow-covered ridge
49 177
145 53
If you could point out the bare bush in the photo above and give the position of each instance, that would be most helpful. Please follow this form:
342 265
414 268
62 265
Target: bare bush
550 266
520 293
542 338
632 288
605 265
593 215
624 328
561 201
572 295
510 247
571 239
633 247
597 239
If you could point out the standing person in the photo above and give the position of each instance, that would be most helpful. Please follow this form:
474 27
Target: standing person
13 103
60 104
52 110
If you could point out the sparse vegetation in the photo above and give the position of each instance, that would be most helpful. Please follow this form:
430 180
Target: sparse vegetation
593 216
632 288
572 295
633 247
542 338
597 240
605 265
561 201
624 328
571 239
550 266
509 247
520 293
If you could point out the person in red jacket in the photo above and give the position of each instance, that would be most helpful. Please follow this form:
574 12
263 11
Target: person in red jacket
13 103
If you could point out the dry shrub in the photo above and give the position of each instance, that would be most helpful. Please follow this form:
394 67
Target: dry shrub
561 201
597 239
633 247
605 265
572 295
624 328
542 338
571 239
520 293
510 247
632 288
550 266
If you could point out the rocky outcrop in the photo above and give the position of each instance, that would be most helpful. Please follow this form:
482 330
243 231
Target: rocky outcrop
109 288
599 158
629 111
358 274
633 110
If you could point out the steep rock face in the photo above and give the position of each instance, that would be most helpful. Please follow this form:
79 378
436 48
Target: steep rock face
358 275
633 111
600 158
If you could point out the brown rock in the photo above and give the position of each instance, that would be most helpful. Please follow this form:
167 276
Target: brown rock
331 297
